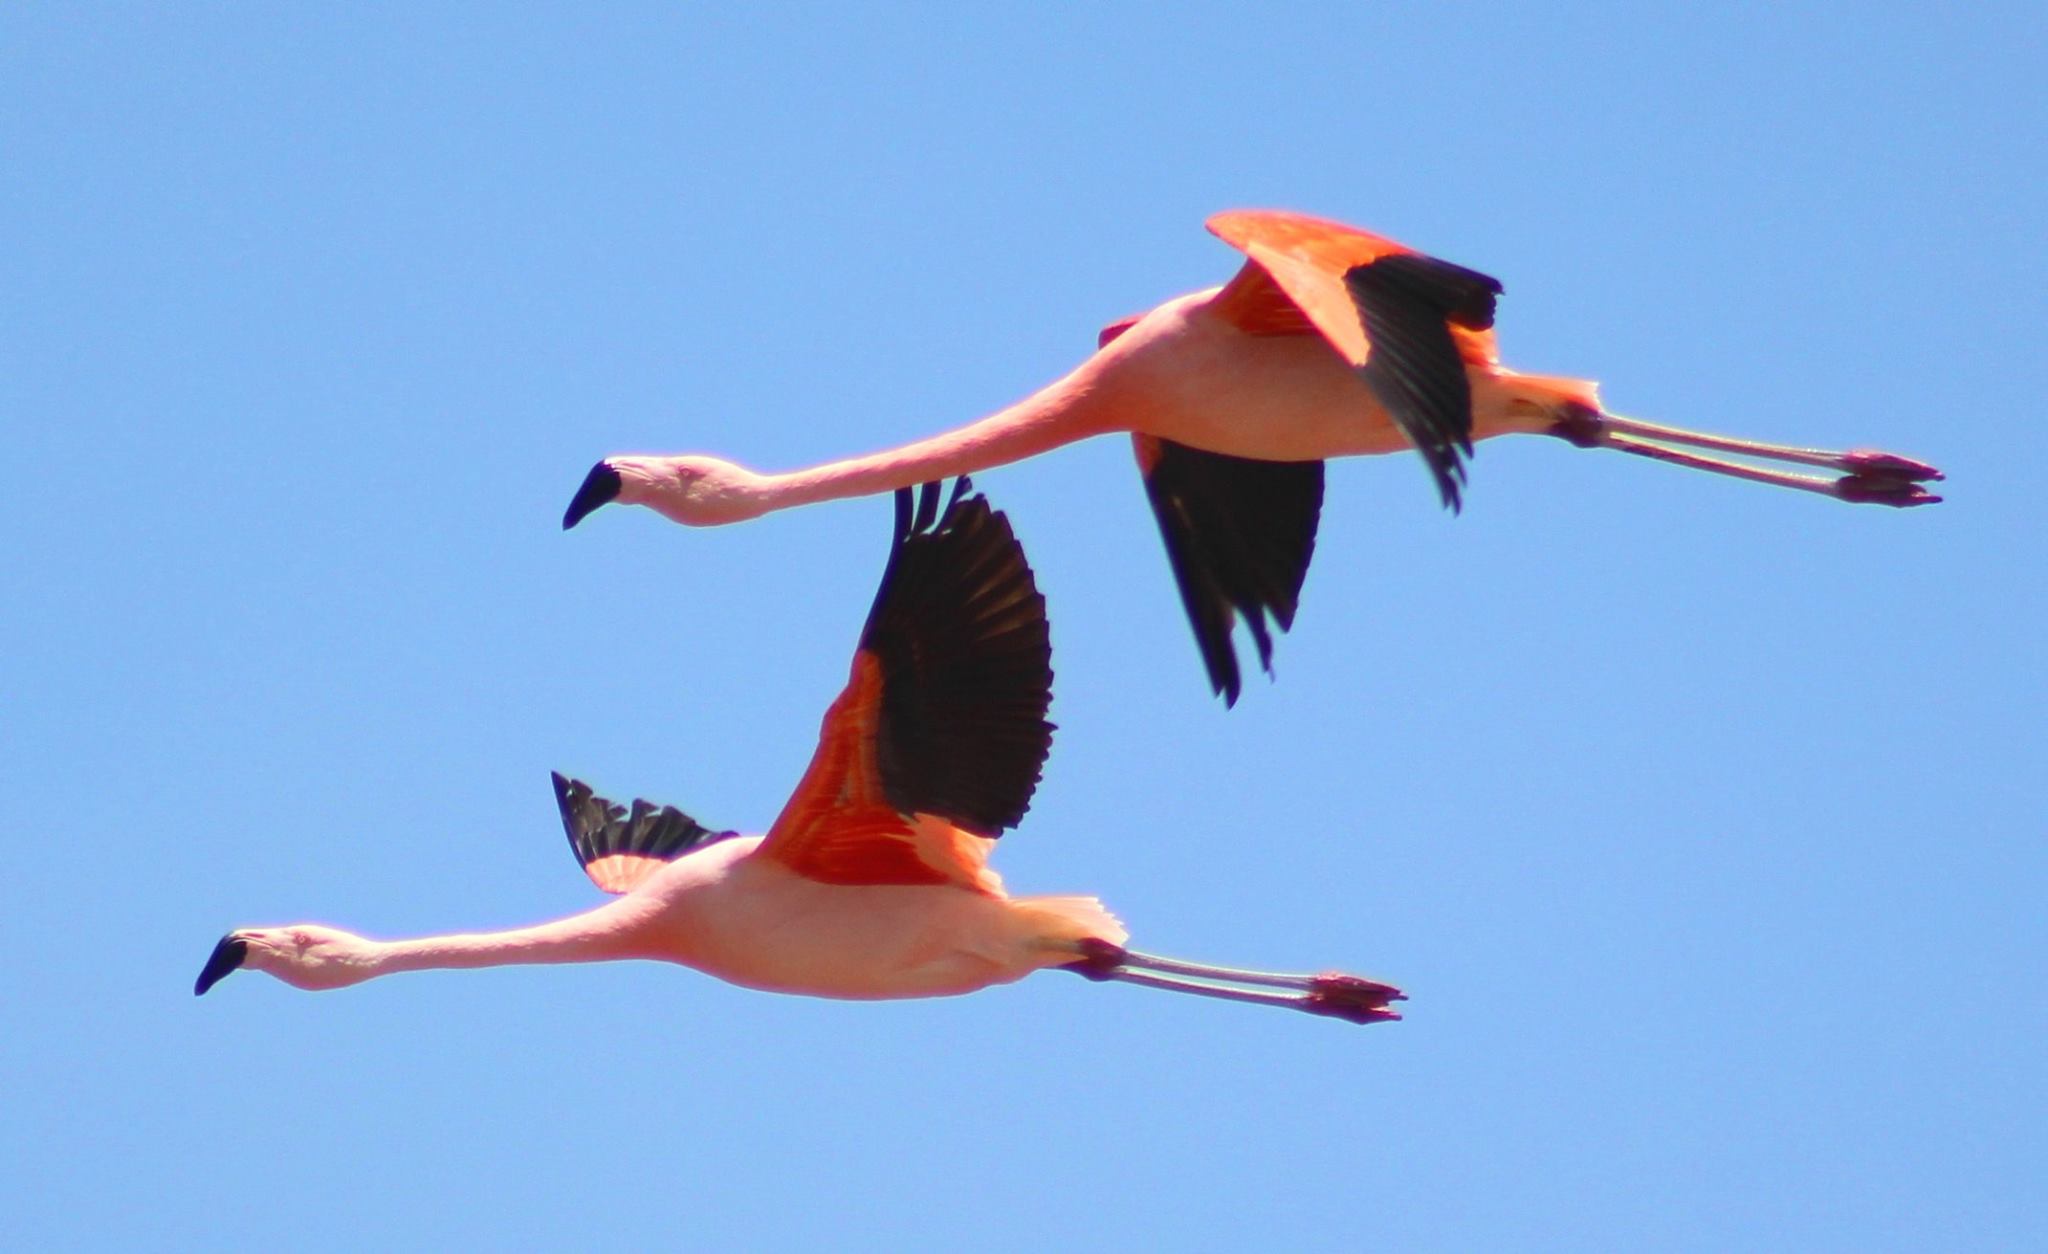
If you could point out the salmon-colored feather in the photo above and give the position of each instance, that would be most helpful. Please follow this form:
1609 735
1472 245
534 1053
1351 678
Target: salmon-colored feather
1293 283
859 845
1147 450
839 829
1298 261
1329 246
835 828
622 872
1114 329
1278 293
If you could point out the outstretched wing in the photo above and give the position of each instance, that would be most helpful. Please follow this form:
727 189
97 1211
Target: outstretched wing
618 849
1239 534
943 716
1408 323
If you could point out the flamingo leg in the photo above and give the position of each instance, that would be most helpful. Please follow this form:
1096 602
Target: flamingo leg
1203 971
1336 995
1868 475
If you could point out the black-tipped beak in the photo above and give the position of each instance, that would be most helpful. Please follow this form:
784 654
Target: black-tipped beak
600 486
227 956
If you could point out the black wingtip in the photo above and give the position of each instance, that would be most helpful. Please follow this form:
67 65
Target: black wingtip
600 487
1408 304
1239 535
565 801
905 502
569 798
927 506
1450 482
227 956
958 630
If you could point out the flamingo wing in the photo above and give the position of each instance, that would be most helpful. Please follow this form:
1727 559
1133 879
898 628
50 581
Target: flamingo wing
937 742
1239 534
1408 323
618 849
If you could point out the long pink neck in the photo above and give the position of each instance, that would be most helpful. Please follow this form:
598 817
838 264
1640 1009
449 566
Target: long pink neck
594 936
1073 408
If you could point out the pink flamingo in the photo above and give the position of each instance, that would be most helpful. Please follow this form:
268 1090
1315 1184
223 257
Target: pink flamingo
874 881
1329 341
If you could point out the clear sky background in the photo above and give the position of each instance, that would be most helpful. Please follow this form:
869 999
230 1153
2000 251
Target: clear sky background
1703 823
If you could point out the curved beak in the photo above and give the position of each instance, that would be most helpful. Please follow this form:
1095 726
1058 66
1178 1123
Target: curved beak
226 957
600 486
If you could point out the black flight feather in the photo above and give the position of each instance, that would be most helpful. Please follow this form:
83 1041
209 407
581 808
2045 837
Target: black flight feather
1406 302
599 828
959 629
1239 534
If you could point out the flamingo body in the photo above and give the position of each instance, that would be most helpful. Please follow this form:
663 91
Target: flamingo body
750 920
1186 373
1329 342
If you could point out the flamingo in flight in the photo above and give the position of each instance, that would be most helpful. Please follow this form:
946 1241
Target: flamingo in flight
1329 341
874 881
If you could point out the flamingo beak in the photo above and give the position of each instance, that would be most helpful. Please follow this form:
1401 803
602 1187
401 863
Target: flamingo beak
226 957
600 486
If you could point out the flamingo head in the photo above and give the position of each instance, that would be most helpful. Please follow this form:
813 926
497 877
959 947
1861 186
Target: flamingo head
694 490
304 955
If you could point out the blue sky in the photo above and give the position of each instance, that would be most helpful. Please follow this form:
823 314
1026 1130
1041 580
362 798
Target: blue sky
1702 823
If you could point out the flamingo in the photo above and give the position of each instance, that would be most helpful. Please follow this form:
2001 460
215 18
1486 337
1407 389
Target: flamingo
874 881
1329 341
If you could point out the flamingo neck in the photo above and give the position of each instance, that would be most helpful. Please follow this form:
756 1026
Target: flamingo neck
599 935
1071 409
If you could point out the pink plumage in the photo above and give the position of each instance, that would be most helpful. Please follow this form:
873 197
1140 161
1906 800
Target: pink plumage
874 881
1329 342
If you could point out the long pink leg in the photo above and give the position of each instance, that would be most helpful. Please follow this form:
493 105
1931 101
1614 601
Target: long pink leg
1331 993
1868 475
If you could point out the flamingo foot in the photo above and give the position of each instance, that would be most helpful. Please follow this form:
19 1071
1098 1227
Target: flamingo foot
1879 478
1883 488
1351 998
1870 461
